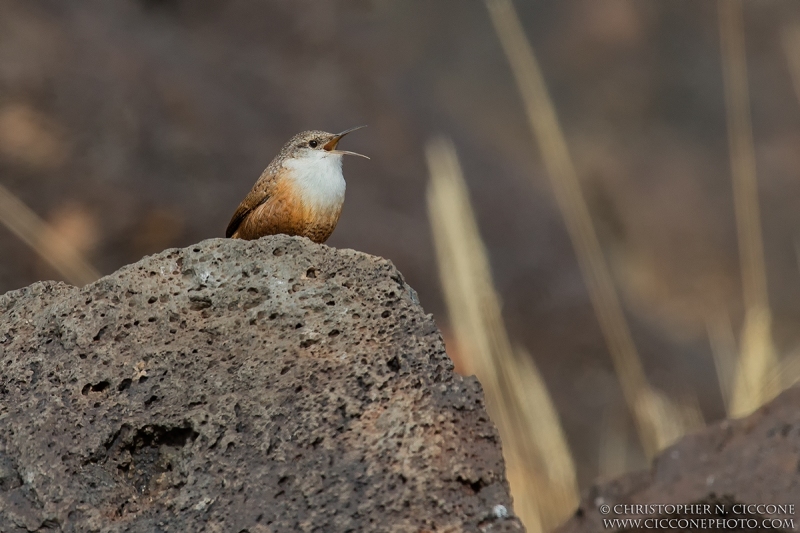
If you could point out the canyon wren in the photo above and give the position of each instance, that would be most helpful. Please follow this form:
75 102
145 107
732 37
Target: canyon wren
301 192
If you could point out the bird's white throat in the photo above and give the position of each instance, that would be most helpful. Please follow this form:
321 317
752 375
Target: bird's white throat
319 178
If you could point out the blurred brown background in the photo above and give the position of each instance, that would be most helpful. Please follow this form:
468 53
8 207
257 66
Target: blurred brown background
136 125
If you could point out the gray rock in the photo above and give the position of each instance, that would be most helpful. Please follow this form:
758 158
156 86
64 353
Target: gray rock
273 385
753 460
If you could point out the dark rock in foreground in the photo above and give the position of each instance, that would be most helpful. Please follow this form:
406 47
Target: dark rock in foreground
273 385
754 460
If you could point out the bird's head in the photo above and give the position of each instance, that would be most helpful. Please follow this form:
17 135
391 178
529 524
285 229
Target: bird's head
318 144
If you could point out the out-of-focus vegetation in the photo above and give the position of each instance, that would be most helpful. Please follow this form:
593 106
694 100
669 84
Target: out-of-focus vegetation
626 268
531 433
538 461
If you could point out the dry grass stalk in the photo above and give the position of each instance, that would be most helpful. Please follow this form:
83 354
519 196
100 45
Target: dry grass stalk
690 412
45 241
791 46
648 407
723 349
613 452
789 369
757 359
774 378
757 364
788 373
539 463
783 375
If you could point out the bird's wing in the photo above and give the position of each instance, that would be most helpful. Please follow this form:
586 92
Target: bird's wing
257 196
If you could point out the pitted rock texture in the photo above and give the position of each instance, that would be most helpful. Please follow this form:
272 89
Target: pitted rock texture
754 460
265 386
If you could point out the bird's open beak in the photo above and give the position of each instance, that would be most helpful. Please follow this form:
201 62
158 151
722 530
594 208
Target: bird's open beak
331 145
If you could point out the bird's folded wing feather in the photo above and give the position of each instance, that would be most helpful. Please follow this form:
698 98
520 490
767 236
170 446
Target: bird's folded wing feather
256 197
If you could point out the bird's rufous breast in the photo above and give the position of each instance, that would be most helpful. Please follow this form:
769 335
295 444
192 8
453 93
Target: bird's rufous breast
286 212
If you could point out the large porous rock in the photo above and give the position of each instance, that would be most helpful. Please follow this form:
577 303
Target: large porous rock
274 385
750 461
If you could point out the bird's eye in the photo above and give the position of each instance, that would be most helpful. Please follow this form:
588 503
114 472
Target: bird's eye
313 144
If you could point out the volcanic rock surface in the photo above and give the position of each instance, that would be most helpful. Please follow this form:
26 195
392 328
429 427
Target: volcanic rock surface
265 386
754 460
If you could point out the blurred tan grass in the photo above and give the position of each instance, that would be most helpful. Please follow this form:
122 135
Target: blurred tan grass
613 453
752 384
788 372
31 138
539 464
658 421
51 246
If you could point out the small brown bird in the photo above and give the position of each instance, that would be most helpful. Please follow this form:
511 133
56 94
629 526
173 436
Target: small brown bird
301 192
